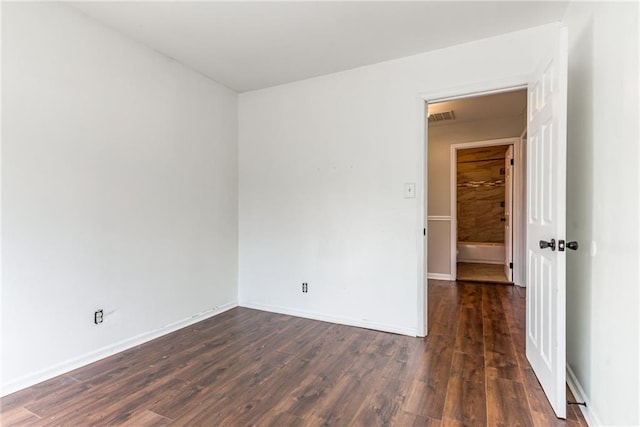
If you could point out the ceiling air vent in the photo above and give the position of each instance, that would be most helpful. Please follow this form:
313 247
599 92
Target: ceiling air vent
441 117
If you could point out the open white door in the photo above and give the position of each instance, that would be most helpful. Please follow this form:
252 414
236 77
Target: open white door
546 224
508 214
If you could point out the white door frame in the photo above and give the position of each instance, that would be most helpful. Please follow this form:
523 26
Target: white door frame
510 255
521 188
506 84
517 239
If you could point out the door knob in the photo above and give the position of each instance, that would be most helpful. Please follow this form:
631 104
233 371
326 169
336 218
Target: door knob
572 245
551 244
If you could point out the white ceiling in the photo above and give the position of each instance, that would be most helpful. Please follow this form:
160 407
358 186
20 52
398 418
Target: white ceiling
252 45
505 105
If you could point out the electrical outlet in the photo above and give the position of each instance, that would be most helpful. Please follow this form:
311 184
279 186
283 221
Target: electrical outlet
98 317
305 287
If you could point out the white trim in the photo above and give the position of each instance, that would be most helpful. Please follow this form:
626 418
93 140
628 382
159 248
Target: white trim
520 212
578 392
453 210
348 321
488 143
1 222
439 276
422 241
439 218
93 356
505 84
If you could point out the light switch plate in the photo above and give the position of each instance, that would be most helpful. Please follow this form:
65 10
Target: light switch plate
409 190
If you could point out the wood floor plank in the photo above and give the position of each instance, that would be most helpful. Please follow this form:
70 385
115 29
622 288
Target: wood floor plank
38 392
250 391
18 416
146 418
113 404
537 400
500 356
373 360
514 305
180 398
429 371
419 401
465 401
302 336
57 401
469 334
341 405
431 359
412 420
337 358
507 403
272 393
326 370
273 419
382 404
248 367
303 399
445 319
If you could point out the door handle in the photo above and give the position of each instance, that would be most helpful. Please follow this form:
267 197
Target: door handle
551 244
570 245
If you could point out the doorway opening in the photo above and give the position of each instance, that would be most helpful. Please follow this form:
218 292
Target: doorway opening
482 211
545 270
476 188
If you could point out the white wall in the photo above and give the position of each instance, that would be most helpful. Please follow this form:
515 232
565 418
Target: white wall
441 138
602 209
119 191
322 168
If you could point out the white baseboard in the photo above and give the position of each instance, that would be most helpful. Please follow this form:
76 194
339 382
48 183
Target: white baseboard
578 392
77 362
439 276
361 323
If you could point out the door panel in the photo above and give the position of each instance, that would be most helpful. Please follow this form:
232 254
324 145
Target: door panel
546 197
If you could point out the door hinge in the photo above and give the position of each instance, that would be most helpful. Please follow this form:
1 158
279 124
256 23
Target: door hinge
511 265
511 161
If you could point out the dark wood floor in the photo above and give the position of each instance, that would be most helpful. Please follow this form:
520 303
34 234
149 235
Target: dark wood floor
247 367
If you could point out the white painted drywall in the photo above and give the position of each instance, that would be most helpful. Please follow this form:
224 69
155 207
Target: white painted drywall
441 138
323 164
119 191
602 208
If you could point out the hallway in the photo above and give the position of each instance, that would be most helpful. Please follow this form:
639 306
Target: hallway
491 381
